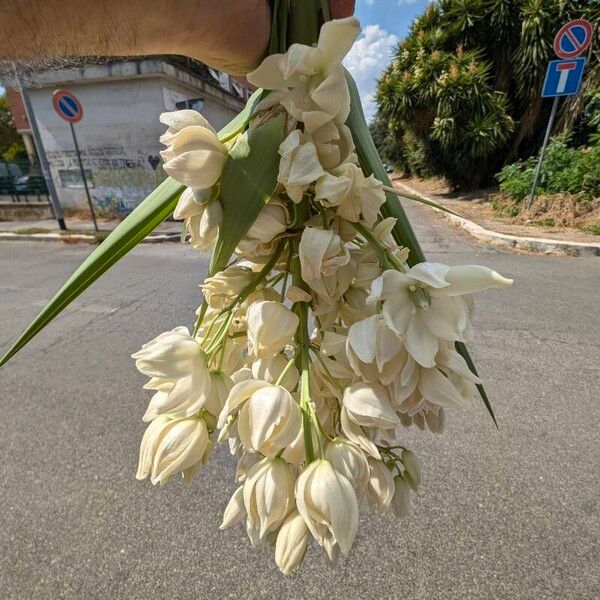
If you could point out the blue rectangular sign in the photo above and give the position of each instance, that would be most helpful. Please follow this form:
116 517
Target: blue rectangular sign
563 77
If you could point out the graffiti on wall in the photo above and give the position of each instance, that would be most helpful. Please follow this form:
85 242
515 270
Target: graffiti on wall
121 178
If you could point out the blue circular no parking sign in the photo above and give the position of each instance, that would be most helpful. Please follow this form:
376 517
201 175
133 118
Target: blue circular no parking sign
573 38
67 106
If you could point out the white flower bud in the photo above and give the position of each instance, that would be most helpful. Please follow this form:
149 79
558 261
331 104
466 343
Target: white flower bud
268 497
325 263
271 326
380 489
194 155
368 405
349 461
327 503
413 469
235 510
270 368
220 289
291 543
170 446
401 499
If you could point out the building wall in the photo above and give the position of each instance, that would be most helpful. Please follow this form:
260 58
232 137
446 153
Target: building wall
118 136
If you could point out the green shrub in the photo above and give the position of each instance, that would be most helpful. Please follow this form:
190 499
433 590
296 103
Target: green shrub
564 169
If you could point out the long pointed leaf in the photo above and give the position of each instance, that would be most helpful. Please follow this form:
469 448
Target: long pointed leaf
371 164
132 230
422 200
462 350
247 183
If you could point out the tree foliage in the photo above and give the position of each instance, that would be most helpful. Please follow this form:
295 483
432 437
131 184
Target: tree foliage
463 88
11 144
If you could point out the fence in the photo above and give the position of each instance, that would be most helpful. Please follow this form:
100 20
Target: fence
20 181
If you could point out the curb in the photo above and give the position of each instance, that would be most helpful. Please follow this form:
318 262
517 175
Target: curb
545 245
79 237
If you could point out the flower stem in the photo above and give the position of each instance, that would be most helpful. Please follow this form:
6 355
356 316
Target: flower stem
303 341
285 370
379 248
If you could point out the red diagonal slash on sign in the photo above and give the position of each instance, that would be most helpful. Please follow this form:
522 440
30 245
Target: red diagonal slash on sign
579 45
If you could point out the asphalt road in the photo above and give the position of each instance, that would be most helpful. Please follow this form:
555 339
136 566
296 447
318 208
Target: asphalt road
508 515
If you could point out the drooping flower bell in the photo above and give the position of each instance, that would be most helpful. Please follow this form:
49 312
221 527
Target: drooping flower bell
170 446
327 502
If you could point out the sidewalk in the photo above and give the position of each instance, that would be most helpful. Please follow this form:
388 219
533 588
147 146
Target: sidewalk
478 220
78 230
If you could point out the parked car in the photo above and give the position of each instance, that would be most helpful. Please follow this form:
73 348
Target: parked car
30 185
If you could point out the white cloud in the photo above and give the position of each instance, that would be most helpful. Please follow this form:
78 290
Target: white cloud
369 56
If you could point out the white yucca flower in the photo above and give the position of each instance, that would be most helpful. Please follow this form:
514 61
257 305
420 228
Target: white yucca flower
299 165
270 368
325 262
448 384
268 417
202 217
292 540
170 446
179 373
350 461
380 489
268 497
369 405
225 286
259 243
354 196
271 326
374 350
327 502
319 91
425 304
194 155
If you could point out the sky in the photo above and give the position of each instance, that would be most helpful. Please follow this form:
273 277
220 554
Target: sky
384 23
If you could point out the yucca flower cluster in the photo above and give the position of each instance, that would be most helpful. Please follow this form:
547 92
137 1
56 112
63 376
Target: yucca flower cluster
317 344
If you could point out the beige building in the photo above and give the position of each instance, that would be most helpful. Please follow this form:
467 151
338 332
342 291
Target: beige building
118 135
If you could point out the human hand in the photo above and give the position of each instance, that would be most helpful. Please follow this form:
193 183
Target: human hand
230 35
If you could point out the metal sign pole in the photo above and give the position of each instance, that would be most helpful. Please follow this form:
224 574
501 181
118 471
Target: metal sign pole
538 168
56 207
85 185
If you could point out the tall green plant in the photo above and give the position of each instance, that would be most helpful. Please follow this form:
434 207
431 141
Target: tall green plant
465 83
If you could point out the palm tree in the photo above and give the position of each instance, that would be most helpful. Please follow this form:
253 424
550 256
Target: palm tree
465 83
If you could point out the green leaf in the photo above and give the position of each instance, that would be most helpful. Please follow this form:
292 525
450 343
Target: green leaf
238 124
422 200
247 183
462 350
144 219
371 164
